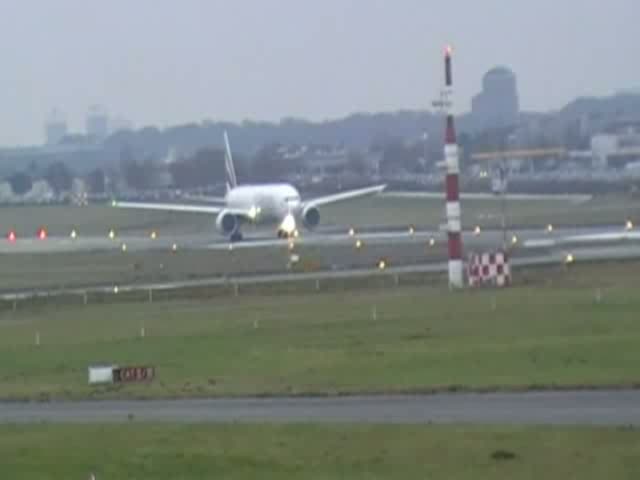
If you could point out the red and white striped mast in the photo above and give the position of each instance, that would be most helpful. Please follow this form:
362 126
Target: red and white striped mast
452 166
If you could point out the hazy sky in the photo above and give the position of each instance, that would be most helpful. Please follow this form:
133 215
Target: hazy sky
166 61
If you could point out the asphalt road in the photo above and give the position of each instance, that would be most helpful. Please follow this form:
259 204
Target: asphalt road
538 408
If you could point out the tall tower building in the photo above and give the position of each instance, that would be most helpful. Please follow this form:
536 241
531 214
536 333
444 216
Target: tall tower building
55 127
97 123
497 105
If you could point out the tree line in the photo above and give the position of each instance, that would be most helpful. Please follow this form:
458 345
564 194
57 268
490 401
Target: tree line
140 170
59 177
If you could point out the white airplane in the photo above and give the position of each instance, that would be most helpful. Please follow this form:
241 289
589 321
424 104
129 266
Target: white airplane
278 203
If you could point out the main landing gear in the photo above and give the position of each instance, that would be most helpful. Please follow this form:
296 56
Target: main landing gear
284 235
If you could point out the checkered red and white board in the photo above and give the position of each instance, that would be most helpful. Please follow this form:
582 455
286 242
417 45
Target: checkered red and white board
489 268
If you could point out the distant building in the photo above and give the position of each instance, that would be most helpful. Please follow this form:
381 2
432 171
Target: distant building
97 123
55 128
40 193
497 105
160 176
325 161
617 149
118 124
629 91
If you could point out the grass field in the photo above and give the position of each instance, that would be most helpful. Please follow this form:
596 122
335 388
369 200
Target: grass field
375 211
486 213
316 452
80 269
552 331
69 269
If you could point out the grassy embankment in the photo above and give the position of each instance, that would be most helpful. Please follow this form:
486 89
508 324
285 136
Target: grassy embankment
317 452
554 329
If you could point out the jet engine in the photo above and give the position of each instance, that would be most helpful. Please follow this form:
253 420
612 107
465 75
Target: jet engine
227 223
311 217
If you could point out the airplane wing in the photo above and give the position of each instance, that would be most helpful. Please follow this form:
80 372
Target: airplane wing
342 196
205 198
593 238
168 207
176 207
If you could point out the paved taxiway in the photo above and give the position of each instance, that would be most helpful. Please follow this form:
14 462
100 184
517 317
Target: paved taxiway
567 408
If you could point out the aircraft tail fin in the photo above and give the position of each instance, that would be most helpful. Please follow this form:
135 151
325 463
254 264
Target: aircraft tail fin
232 182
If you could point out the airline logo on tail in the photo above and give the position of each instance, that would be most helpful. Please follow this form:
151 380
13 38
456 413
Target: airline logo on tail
232 182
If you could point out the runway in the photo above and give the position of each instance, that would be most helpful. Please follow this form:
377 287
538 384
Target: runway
536 408
533 247
329 236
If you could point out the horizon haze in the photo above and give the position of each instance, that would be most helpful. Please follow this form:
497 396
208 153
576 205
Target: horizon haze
170 63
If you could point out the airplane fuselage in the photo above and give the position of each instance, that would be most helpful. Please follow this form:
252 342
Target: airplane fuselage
271 202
